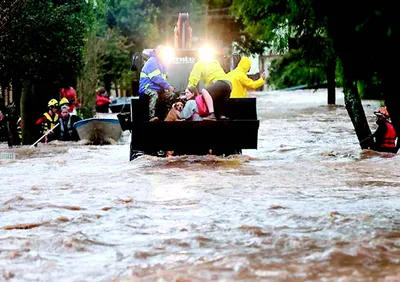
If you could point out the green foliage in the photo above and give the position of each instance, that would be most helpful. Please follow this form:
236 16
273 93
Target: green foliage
293 70
113 58
282 26
267 21
87 81
131 20
85 112
46 43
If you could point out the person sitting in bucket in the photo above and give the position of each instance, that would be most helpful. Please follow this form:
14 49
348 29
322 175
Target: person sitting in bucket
153 83
217 88
195 108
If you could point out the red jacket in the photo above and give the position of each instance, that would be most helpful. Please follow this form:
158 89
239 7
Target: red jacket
101 100
389 139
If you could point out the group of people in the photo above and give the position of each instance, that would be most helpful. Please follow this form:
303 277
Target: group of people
209 103
57 123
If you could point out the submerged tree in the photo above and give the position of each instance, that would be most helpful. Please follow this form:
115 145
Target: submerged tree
291 24
363 36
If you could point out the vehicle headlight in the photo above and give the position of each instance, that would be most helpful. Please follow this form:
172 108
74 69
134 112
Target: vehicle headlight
167 54
206 53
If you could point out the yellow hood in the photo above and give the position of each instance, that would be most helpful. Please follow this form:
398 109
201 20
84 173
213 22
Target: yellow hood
240 81
244 64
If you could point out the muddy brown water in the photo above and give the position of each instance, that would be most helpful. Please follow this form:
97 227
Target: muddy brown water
308 205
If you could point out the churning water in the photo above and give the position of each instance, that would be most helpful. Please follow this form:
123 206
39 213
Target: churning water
307 205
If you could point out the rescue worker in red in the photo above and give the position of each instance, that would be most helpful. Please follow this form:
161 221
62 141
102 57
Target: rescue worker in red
72 98
49 120
385 135
102 100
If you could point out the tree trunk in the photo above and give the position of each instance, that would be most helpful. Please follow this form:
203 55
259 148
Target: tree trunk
330 76
356 112
17 93
27 114
117 94
2 97
107 83
87 82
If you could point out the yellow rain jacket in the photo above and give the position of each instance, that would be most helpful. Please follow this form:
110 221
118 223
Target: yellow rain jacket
240 81
206 71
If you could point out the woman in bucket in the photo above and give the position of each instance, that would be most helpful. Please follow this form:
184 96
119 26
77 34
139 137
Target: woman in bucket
195 108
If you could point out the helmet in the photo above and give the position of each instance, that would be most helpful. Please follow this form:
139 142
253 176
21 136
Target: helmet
64 101
382 111
52 103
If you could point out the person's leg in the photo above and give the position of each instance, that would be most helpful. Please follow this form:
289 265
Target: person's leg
209 101
167 98
165 102
224 92
220 93
153 97
210 105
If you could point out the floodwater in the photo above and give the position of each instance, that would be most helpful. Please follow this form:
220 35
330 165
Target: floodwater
308 205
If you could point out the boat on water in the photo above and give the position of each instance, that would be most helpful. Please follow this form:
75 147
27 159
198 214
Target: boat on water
99 131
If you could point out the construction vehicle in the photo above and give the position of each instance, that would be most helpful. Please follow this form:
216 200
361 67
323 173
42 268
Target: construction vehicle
223 137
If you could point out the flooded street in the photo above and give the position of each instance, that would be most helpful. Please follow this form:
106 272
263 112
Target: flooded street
308 205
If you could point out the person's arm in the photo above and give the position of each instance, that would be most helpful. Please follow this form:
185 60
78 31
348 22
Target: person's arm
380 131
41 120
195 74
249 83
155 75
157 79
189 109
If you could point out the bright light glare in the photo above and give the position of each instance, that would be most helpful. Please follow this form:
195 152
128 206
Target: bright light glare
206 53
167 54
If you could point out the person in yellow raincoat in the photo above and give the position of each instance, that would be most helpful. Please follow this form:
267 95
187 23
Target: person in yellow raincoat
217 86
241 82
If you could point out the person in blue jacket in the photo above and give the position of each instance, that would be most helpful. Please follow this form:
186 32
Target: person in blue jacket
153 82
